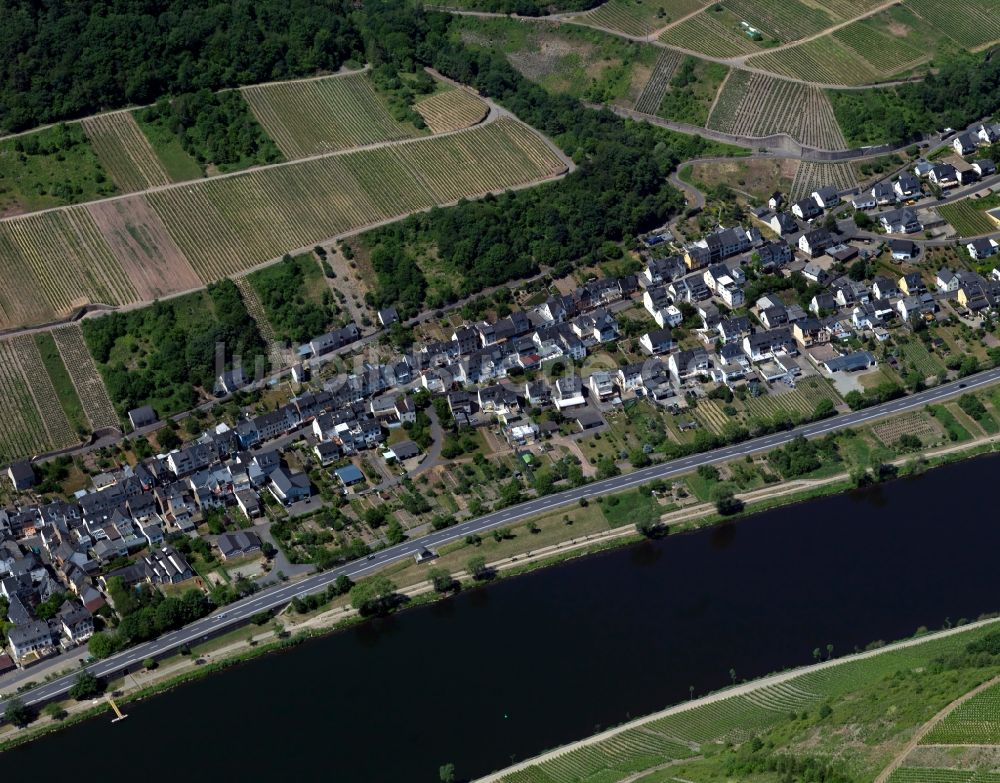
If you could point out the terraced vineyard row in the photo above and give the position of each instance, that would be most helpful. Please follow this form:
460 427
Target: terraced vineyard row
226 226
966 218
803 399
759 105
651 97
787 20
124 152
811 176
46 400
275 353
451 110
976 722
825 60
976 25
53 262
636 18
86 379
929 775
322 115
704 34
886 54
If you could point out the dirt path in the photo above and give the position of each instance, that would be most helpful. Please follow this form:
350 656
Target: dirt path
923 730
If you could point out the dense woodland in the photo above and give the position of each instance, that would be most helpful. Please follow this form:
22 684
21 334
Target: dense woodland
161 353
962 91
214 127
282 291
68 58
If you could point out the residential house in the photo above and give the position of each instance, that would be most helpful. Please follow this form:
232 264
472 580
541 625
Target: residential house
664 270
987 134
826 197
964 144
815 273
773 255
907 186
387 316
903 249
238 544
537 393
815 242
984 167
982 248
783 224
776 200
884 288
884 193
765 345
142 416
349 475
34 636
288 487
822 303
866 201
944 175
568 392
923 168
735 328
76 622
657 341
629 377
911 284
165 566
773 317
602 385
688 364
900 221
230 382
21 475
806 209
809 332
947 280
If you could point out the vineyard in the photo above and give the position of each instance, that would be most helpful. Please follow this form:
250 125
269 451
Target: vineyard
706 34
811 176
651 97
451 110
226 226
928 775
887 54
53 262
977 25
967 219
784 20
124 152
89 385
803 399
976 721
684 732
33 421
322 115
759 105
913 353
918 424
636 18
856 54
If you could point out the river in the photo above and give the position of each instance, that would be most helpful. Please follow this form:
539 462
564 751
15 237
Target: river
501 673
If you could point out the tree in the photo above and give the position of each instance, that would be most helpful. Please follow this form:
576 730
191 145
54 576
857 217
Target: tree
442 580
639 458
373 595
447 773
102 644
343 584
55 711
727 504
478 568
18 713
85 687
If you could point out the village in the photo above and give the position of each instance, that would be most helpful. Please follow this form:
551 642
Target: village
798 297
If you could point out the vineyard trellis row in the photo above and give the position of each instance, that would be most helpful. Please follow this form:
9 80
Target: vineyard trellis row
811 176
124 151
451 110
656 87
702 33
313 116
226 226
86 379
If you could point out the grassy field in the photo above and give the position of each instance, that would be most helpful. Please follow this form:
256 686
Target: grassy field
947 418
178 164
312 116
124 151
969 217
87 381
568 60
451 110
752 104
53 262
882 697
50 168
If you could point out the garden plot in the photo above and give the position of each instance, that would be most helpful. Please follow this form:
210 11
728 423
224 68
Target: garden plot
916 423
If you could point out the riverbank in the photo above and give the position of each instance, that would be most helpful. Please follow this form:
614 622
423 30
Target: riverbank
521 554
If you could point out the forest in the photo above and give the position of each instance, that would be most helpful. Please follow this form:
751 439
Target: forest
162 353
68 58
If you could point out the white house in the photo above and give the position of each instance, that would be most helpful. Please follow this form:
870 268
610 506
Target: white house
982 248
826 197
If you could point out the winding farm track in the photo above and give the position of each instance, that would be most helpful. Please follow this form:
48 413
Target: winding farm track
732 62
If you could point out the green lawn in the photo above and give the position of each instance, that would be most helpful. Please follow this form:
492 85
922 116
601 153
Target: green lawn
630 508
179 165
956 431
69 400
